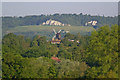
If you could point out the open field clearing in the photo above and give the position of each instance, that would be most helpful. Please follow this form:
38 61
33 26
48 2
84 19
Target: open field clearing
72 29
30 31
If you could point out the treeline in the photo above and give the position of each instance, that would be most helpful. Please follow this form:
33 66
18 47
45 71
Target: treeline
119 20
95 56
72 19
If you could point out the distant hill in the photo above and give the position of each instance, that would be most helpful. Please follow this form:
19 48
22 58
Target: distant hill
72 19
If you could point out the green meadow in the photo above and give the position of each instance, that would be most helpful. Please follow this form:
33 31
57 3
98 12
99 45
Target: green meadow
72 29
47 30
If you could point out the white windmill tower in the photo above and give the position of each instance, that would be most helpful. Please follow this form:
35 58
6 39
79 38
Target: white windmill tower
57 35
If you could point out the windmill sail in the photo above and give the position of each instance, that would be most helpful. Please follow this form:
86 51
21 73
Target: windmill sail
54 31
59 31
54 36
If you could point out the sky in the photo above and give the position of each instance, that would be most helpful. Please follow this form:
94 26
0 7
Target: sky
38 8
60 0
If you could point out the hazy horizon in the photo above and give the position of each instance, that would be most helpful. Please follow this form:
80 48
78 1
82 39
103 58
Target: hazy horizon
47 8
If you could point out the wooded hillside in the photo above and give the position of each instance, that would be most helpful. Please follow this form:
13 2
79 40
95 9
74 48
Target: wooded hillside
96 56
72 19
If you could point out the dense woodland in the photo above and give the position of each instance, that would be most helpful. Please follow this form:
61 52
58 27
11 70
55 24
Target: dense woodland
96 56
72 19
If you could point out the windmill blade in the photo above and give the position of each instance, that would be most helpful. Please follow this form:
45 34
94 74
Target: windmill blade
54 36
59 31
54 31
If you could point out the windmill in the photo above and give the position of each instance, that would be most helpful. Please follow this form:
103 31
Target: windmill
57 37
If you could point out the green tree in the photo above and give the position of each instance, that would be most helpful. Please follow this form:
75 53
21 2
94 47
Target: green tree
102 53
52 72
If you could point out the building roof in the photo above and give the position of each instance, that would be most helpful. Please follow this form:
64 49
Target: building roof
56 59
55 41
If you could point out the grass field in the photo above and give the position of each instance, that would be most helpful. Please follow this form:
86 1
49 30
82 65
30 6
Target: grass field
72 29
47 30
